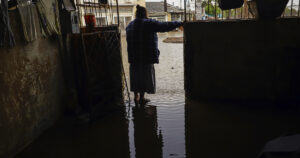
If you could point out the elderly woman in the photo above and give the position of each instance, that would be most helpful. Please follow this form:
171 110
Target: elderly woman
143 52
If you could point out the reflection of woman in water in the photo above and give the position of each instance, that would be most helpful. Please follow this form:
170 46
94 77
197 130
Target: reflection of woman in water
143 52
148 139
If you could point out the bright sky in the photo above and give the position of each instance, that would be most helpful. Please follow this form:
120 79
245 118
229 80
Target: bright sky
295 2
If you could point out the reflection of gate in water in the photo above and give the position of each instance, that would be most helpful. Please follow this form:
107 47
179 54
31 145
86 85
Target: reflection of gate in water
98 70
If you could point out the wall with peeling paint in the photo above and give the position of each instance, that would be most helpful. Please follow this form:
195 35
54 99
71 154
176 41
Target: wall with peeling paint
31 89
242 60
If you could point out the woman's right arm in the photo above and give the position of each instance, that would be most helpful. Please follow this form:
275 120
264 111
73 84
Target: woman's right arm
158 26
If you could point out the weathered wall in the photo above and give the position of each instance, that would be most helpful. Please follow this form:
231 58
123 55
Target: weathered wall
30 85
245 59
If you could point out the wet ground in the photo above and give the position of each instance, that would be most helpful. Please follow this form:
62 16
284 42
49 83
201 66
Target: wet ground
169 126
169 100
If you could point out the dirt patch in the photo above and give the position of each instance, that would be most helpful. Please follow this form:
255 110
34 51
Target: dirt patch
173 40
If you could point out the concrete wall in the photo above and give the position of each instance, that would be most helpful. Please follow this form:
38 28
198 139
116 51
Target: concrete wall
30 89
243 60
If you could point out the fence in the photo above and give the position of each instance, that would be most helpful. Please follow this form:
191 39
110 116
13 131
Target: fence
96 55
98 70
292 9
210 10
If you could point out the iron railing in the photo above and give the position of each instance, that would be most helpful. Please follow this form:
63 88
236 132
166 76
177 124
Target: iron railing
292 9
212 11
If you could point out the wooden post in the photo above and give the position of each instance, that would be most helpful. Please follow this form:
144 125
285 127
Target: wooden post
118 14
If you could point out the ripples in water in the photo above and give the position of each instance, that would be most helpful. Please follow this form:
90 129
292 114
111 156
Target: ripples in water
166 107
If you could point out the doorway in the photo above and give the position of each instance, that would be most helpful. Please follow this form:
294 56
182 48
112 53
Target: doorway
165 112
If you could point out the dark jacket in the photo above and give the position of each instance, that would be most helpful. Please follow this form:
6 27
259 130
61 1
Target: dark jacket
142 39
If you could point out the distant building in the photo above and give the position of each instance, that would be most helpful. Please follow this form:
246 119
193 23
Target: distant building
127 10
156 11
200 10
106 16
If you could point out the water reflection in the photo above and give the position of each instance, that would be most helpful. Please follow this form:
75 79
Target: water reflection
208 130
235 130
147 137
154 131
107 137
170 126
168 100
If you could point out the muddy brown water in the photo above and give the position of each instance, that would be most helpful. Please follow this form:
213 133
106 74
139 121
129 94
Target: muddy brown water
169 126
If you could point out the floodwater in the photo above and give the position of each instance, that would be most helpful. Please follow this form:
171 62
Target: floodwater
168 102
155 131
169 126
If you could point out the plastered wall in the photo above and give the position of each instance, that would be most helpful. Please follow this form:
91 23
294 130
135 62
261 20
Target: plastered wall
30 89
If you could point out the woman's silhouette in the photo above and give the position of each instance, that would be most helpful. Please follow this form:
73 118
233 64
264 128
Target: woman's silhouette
143 52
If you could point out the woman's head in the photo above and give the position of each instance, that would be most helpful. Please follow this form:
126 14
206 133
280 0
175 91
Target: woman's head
141 12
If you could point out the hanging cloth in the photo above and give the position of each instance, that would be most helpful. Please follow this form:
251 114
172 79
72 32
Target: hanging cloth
27 13
48 15
6 35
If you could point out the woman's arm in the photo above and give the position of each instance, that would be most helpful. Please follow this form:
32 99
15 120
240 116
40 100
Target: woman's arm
158 26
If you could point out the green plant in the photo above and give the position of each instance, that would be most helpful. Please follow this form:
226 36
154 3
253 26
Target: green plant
211 9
